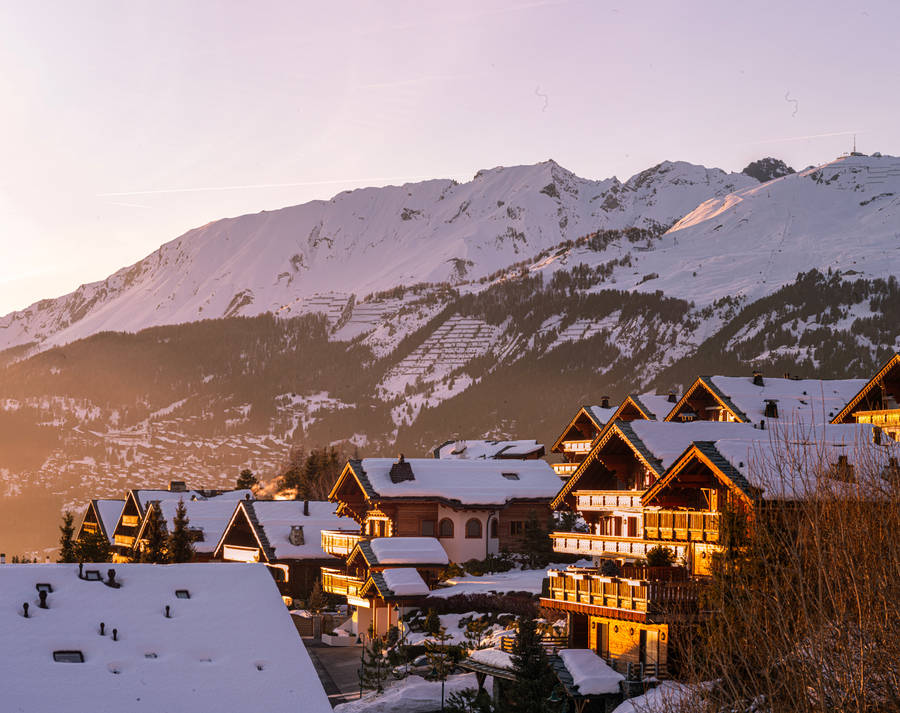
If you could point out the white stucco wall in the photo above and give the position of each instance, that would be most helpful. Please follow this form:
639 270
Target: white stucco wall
459 548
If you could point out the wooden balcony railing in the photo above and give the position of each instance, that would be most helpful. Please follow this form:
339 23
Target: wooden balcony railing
340 543
681 526
124 541
565 469
587 545
577 446
336 582
588 586
608 499
90 527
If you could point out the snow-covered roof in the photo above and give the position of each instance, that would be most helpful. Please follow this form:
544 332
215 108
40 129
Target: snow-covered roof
479 482
489 449
107 512
230 647
666 697
144 497
655 406
404 581
406 550
211 517
601 415
806 400
591 674
276 517
492 657
664 441
788 462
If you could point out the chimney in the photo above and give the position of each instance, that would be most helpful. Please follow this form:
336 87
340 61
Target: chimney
771 408
177 486
604 402
673 399
401 470
296 537
758 379
2 558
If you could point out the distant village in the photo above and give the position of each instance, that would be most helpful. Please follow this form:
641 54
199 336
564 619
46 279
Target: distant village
621 522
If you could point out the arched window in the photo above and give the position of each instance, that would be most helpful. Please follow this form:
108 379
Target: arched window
494 529
445 529
473 528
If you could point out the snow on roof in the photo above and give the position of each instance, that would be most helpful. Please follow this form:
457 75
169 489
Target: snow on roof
144 497
479 482
786 463
108 511
404 581
211 517
590 673
488 449
667 696
601 415
657 404
408 550
666 440
230 647
807 400
276 517
492 657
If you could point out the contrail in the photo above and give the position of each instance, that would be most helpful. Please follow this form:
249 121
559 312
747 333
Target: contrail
158 191
802 138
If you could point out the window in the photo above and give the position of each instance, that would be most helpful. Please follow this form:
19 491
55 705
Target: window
445 529
516 527
427 529
511 476
473 529
493 528
92 575
44 587
182 594
68 656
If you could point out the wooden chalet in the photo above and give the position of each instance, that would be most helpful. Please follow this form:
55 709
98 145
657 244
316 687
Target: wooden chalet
100 516
759 400
384 575
474 507
500 450
207 520
135 509
878 402
286 535
575 441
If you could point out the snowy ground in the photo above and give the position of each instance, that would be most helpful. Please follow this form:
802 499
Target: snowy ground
411 695
516 580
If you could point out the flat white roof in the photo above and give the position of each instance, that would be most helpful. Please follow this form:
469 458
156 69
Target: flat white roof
230 647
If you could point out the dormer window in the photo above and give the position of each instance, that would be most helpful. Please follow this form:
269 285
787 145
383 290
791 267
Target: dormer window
511 476
68 656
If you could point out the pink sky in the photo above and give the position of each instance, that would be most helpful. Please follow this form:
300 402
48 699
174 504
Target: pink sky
126 124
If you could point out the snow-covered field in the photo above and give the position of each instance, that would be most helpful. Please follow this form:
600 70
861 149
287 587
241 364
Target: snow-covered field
410 695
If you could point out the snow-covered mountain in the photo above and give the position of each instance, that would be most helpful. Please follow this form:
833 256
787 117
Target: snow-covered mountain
366 240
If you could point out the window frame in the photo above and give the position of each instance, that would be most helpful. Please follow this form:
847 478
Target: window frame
469 522
440 527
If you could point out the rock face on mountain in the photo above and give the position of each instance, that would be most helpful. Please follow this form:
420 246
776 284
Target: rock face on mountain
364 241
765 169
397 318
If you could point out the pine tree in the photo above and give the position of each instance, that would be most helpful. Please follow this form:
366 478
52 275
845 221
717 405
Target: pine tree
181 548
93 547
432 624
155 551
535 680
67 552
373 669
317 600
246 480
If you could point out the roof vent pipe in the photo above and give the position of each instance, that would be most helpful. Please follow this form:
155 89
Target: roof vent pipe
25 609
306 507
42 595
115 634
102 628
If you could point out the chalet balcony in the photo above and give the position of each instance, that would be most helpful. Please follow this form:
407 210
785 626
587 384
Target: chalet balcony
340 543
577 446
681 526
589 588
124 541
564 470
608 499
336 582
588 545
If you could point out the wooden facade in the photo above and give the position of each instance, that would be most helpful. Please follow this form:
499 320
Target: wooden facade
878 402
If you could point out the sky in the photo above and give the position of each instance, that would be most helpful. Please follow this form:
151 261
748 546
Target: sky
126 124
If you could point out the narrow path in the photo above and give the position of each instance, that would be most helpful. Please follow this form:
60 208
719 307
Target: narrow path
338 669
